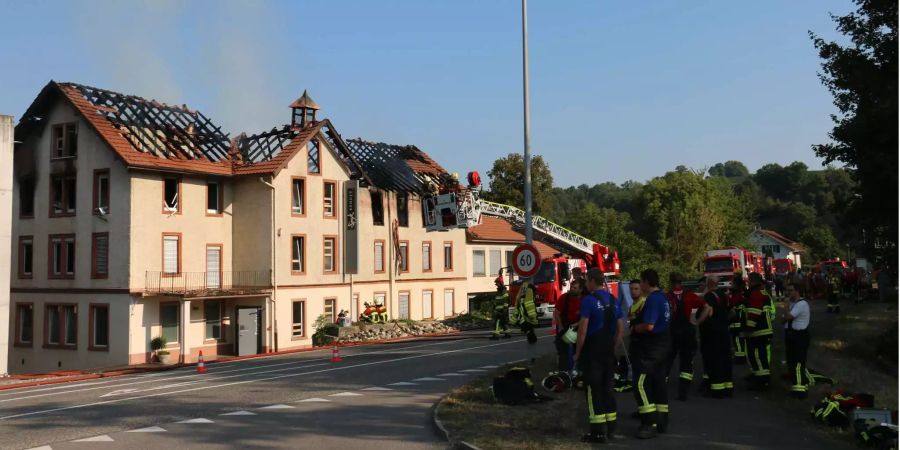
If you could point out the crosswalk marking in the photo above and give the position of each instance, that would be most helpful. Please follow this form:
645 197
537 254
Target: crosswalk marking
279 406
314 400
472 370
452 374
148 430
101 438
489 367
403 383
429 379
377 388
345 394
198 420
239 413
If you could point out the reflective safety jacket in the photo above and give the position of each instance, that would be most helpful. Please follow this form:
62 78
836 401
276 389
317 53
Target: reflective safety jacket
760 313
739 307
526 310
501 304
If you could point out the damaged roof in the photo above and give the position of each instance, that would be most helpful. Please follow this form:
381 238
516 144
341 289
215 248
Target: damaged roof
401 168
149 134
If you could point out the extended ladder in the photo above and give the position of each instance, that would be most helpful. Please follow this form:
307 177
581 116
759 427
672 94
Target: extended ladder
517 217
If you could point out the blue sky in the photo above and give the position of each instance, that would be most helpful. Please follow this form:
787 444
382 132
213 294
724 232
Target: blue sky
620 90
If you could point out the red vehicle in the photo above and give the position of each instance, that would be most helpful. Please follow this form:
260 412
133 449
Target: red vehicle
727 262
832 265
784 266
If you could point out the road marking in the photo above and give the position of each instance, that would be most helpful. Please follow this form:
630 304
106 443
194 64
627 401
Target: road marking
45 447
101 438
148 430
277 377
199 420
346 394
314 400
451 374
403 383
489 367
239 413
193 374
429 379
118 392
376 388
279 406
473 370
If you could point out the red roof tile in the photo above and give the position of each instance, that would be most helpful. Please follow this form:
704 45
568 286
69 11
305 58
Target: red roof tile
497 230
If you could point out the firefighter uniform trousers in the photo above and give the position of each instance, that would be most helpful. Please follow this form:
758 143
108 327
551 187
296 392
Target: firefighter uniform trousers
796 347
649 360
833 292
598 363
501 320
738 343
759 344
526 312
684 348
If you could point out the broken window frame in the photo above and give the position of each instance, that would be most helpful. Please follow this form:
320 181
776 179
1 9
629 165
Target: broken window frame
63 195
167 206
377 207
313 157
101 195
298 196
403 209
64 140
329 200
214 187
298 254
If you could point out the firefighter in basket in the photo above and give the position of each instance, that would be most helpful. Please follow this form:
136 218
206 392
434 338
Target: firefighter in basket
501 310
368 315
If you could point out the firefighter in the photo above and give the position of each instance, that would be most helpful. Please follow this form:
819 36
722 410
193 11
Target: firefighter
501 311
714 341
758 330
833 292
688 311
651 343
738 306
796 340
526 311
566 314
599 329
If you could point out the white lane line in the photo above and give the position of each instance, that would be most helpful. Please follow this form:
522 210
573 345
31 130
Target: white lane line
489 367
238 413
454 374
429 379
277 377
314 400
43 447
279 406
101 438
376 388
346 394
198 420
403 383
215 372
148 430
472 370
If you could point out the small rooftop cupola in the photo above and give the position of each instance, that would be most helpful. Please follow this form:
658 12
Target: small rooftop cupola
303 110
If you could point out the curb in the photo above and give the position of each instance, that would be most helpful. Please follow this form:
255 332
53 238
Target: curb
126 371
444 432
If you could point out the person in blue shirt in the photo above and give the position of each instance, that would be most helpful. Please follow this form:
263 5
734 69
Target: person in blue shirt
650 346
599 330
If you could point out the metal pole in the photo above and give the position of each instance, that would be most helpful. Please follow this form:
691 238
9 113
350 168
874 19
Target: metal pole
527 120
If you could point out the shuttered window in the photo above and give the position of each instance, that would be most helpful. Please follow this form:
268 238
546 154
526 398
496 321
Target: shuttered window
448 302
213 267
495 262
427 300
329 254
100 255
478 263
379 256
171 257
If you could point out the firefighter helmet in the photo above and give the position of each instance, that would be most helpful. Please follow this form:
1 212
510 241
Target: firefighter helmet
557 382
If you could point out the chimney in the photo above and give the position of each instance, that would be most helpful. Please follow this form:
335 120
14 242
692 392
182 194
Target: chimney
303 110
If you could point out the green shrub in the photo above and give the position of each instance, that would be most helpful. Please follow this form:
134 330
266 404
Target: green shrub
326 331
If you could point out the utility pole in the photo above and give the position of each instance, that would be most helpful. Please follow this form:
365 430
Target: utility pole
527 119
6 194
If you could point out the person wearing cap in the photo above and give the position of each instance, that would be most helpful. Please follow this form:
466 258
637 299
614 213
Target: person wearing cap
688 311
599 329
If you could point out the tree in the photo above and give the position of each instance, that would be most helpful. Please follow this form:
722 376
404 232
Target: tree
729 169
820 242
507 183
862 78
611 228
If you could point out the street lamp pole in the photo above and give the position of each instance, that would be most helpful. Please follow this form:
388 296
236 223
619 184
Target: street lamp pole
527 119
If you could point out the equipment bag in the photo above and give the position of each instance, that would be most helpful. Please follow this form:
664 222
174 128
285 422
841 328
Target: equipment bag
874 434
516 388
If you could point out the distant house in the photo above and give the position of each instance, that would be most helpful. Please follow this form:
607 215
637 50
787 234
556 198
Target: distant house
771 242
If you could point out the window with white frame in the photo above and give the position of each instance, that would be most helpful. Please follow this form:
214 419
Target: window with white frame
297 313
478 263
171 254
298 253
328 196
328 246
298 196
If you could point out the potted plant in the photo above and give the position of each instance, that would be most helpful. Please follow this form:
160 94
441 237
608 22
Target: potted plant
158 345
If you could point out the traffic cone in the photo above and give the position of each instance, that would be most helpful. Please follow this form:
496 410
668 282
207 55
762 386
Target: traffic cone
201 368
335 355
553 326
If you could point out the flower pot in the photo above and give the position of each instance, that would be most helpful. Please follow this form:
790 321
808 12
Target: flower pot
164 358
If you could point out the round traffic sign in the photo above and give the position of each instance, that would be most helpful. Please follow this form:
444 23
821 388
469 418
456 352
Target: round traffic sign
526 260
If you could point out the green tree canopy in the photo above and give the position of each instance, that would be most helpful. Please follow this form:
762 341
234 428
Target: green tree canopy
729 169
507 183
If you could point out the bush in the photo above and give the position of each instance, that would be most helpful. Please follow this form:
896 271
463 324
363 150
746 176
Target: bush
157 344
326 331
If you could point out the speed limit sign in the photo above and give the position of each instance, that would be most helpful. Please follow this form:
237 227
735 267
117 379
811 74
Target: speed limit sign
526 260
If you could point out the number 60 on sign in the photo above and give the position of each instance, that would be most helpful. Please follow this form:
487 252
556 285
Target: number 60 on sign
526 260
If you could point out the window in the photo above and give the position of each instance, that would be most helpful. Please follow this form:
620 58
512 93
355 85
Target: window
64 141
427 303
298 196
380 298
24 324
171 254
100 255
297 313
101 192
62 195
61 325
426 257
214 197
171 194
478 263
771 249
329 247
379 256
354 307
212 314
495 262
99 327
403 304
329 188
213 266
509 263
62 256
377 208
26 256
404 256
169 314
313 161
26 197
448 256
448 302
298 254
403 209
329 309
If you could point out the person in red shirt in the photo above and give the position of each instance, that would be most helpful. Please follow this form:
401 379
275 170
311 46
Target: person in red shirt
688 311
567 313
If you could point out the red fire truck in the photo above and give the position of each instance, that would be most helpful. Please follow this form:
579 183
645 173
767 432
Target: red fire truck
784 266
727 262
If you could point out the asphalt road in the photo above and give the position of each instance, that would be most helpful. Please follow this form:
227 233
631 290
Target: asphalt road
378 395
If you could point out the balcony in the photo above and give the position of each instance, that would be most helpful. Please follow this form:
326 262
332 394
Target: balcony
208 284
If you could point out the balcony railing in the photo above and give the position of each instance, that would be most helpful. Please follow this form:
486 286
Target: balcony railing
208 284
